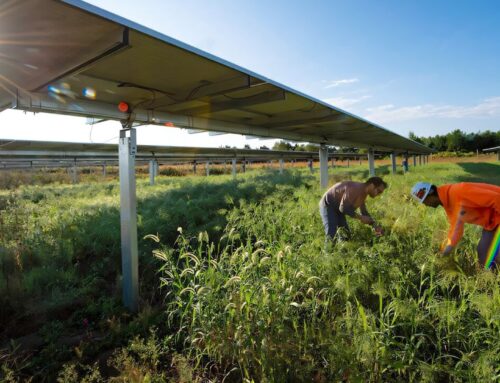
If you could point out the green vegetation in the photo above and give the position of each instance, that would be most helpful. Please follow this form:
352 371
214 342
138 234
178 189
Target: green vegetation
237 285
458 141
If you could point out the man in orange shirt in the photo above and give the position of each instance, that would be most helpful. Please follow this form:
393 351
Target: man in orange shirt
467 202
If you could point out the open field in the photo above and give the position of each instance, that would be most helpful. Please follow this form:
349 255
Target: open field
11 179
236 284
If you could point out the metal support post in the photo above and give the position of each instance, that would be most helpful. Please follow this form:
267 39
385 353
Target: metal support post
282 165
371 162
128 217
310 165
151 172
323 166
207 167
405 162
74 173
393 162
244 166
233 163
104 170
157 168
414 160
194 167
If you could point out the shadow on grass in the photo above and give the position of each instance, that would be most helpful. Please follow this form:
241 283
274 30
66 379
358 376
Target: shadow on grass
86 245
480 172
85 250
201 206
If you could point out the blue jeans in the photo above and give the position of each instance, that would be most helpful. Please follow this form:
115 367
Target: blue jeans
332 219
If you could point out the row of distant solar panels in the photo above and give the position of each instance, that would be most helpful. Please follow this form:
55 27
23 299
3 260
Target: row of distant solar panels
83 163
32 149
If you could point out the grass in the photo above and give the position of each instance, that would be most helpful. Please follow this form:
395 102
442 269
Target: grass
238 286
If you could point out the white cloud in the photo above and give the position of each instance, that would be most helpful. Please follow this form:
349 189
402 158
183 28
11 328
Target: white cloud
387 113
345 102
336 83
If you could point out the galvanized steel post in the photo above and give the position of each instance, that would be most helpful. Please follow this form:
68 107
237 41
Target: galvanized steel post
233 164
393 163
128 216
282 165
371 162
74 173
323 166
151 172
207 168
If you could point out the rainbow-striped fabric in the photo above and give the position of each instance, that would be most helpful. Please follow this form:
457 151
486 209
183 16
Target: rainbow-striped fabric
493 250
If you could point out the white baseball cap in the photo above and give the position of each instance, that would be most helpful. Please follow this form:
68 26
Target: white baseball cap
420 191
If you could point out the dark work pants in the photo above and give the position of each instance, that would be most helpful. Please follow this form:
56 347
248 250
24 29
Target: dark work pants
332 219
484 245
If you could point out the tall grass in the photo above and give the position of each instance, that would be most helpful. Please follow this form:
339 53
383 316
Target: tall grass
247 291
268 303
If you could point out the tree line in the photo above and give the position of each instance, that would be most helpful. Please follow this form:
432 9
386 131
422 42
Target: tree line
458 141
455 141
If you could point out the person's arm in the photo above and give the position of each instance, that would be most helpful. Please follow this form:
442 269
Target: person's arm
367 218
348 208
456 231
378 229
364 210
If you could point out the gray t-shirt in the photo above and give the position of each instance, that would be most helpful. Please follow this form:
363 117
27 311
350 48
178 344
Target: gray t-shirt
346 197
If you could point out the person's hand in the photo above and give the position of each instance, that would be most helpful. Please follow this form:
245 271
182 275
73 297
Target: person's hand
367 220
379 231
447 250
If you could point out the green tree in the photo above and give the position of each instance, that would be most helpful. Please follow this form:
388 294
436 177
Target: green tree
455 141
282 145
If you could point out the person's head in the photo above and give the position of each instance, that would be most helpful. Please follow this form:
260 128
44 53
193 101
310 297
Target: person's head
426 193
375 186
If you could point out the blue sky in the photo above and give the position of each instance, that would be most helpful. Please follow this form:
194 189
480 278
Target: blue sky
422 66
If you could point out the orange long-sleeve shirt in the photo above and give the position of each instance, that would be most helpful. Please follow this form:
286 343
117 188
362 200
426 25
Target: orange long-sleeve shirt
468 202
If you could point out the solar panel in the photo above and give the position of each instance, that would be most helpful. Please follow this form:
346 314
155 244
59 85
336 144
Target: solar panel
73 58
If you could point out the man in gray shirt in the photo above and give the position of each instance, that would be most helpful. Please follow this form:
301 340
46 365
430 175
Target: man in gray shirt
344 198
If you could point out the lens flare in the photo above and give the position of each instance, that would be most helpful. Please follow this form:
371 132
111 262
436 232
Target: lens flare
89 93
63 89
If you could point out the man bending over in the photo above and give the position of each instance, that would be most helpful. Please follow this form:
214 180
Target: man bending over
344 198
467 202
